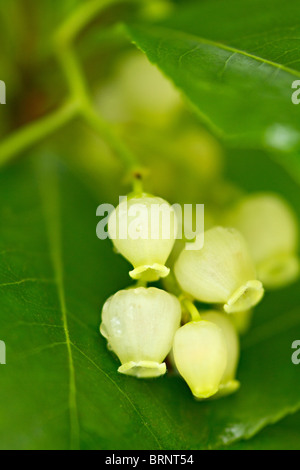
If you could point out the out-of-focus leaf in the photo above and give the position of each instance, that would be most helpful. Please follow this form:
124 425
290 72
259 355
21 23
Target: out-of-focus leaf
60 386
235 62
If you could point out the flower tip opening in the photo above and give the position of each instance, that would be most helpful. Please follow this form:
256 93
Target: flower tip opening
224 390
279 271
200 394
150 273
245 297
228 388
143 369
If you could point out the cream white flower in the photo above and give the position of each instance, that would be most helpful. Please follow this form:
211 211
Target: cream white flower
143 229
139 325
228 383
270 229
221 272
200 355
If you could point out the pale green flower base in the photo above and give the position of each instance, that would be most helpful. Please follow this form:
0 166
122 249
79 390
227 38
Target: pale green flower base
279 270
149 272
143 369
245 297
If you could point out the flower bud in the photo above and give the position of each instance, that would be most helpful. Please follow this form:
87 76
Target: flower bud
139 92
149 95
270 229
221 272
143 229
139 325
228 382
200 355
242 321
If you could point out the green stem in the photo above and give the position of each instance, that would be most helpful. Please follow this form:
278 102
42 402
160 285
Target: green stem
191 309
80 103
73 73
141 283
107 133
22 139
138 188
81 17
79 89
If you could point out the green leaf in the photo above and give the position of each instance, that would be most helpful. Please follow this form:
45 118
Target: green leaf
60 387
281 436
235 62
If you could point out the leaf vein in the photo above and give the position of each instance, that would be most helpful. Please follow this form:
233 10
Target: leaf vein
121 392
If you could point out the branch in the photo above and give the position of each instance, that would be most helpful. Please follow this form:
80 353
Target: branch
107 133
80 102
81 17
22 139
79 89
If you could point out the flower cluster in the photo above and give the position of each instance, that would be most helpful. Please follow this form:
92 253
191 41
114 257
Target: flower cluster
256 247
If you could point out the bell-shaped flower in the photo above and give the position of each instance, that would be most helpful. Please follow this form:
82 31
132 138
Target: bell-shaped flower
139 325
228 383
200 355
221 272
143 229
270 228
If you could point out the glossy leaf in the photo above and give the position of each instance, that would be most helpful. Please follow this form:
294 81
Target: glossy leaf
281 436
236 63
60 387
